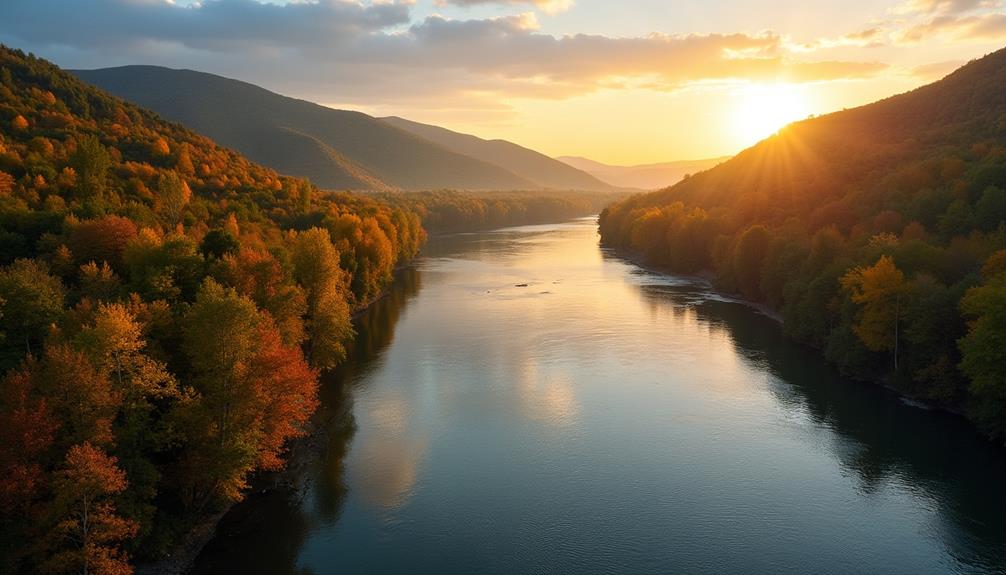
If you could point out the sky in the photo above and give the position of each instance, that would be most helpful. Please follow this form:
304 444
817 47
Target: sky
619 81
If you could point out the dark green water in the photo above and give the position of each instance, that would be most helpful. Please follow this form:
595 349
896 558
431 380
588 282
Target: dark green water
605 419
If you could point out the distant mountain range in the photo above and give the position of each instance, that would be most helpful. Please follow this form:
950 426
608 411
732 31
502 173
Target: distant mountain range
336 149
642 177
535 166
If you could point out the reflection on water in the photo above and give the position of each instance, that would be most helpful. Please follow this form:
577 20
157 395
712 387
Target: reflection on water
540 406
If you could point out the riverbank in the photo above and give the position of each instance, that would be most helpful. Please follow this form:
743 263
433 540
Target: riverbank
708 277
293 477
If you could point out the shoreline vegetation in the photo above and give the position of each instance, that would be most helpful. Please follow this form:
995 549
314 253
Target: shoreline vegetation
877 233
709 276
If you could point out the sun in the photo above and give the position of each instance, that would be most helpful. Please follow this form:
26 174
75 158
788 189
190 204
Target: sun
762 109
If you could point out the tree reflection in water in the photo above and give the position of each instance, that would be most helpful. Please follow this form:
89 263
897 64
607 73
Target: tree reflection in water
877 437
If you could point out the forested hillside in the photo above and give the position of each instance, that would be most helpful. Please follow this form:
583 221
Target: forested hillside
336 149
165 308
879 233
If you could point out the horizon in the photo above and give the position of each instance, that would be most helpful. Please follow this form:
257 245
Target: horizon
673 82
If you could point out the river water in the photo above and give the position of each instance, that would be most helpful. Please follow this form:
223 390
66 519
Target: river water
524 402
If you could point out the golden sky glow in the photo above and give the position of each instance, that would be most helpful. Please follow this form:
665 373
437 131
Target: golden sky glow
625 82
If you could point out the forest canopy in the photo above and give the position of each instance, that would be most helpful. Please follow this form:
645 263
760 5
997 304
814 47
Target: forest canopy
166 307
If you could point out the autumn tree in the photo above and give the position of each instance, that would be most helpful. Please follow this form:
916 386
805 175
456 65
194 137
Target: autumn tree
288 388
174 194
85 533
115 344
98 283
878 289
259 276
101 240
28 431
316 269
81 397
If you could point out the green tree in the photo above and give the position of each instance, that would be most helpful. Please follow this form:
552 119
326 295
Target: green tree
31 300
91 161
749 259
218 243
983 349
219 339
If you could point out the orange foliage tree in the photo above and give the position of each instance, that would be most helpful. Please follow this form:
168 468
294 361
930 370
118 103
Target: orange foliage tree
85 531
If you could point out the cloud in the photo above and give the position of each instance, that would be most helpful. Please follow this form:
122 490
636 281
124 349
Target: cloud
975 28
371 53
209 25
944 6
548 6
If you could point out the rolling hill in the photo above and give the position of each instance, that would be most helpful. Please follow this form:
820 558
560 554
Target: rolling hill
878 233
336 149
529 164
642 177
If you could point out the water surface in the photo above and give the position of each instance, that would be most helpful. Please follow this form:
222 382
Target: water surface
524 402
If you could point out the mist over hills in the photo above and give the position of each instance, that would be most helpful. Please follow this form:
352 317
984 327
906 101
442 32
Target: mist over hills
644 176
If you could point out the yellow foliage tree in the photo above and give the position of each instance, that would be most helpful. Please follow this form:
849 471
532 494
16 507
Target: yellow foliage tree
878 289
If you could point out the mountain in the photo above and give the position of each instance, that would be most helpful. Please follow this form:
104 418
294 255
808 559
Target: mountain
336 149
878 233
529 164
642 177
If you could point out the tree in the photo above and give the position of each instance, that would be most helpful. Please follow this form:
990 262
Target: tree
281 377
749 258
31 301
174 194
255 392
878 289
982 351
82 398
115 345
260 276
102 240
6 183
218 243
85 532
316 269
99 283
220 331
28 431
91 162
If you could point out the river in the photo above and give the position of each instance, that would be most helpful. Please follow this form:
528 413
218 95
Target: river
525 402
